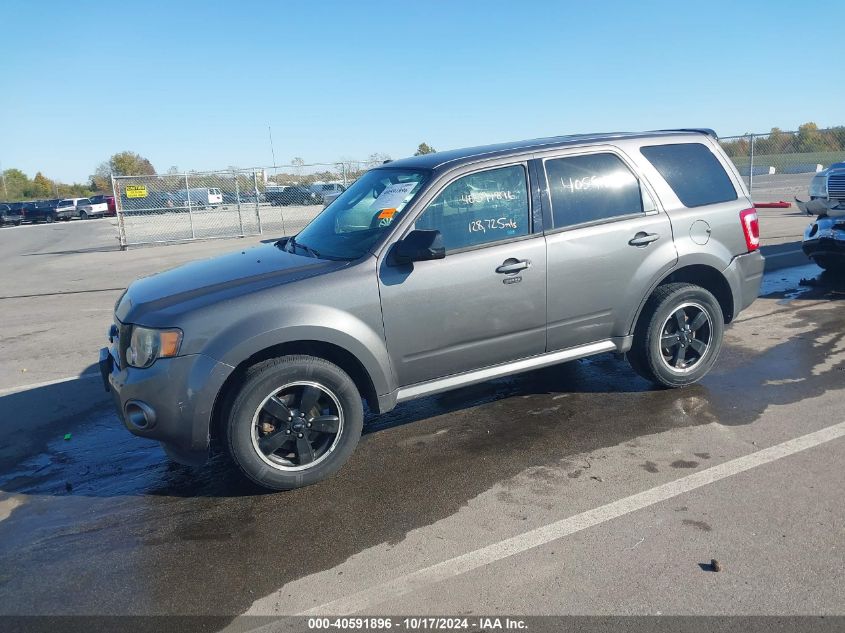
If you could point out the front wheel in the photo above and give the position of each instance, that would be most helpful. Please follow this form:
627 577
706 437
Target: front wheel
294 421
678 336
83 215
50 218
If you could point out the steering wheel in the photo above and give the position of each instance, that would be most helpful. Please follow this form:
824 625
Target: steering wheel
376 221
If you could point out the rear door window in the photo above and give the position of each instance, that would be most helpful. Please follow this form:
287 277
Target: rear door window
591 188
693 172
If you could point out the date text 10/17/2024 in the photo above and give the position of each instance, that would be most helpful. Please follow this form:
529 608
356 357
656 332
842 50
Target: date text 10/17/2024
421 623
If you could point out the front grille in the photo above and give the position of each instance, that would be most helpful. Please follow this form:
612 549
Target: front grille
836 185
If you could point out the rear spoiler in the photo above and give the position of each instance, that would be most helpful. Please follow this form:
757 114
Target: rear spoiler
698 130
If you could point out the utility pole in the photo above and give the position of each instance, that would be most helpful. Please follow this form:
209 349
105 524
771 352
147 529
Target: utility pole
3 176
272 151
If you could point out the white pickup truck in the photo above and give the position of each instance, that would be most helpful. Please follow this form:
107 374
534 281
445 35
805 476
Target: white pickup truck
827 193
88 209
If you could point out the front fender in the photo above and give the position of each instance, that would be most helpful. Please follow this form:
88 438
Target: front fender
307 323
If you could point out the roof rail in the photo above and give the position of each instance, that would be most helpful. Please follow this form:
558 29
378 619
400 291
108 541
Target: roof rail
700 130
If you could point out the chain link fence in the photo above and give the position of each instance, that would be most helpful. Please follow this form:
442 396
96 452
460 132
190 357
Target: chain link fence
277 200
282 199
778 166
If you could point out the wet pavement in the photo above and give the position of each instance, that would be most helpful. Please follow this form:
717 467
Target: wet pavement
117 529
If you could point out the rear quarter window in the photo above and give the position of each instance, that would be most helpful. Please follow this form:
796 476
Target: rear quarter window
693 172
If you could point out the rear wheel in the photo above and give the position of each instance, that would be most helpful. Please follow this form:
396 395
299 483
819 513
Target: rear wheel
294 421
50 218
679 335
83 215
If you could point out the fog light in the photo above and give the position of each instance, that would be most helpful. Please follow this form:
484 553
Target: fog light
140 415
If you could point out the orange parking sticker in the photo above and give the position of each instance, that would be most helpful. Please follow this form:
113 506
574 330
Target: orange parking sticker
386 213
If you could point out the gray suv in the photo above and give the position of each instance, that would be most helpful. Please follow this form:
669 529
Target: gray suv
435 272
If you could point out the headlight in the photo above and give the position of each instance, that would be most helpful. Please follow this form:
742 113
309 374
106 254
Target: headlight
818 186
146 345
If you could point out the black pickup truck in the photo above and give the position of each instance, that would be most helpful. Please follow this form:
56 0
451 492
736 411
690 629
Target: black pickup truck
41 211
10 213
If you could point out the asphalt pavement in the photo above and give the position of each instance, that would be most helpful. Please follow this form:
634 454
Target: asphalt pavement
578 489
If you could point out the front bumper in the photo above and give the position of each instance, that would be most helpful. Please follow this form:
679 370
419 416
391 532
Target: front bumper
175 395
825 238
744 275
827 247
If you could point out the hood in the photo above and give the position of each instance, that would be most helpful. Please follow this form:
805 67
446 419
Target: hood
216 279
835 167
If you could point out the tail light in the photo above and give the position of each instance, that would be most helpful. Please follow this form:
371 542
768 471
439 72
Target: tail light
750 228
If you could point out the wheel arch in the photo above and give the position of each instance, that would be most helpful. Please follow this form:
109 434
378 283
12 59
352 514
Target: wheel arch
704 275
331 352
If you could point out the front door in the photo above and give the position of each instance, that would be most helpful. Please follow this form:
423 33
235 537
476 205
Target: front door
485 303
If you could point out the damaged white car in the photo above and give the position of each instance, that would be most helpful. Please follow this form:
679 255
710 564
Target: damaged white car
824 239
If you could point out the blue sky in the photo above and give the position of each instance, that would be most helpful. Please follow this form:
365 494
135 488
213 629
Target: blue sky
195 84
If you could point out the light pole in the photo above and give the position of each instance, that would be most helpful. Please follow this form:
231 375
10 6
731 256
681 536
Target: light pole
272 151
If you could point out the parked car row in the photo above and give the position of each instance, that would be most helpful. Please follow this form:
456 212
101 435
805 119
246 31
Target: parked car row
16 213
317 193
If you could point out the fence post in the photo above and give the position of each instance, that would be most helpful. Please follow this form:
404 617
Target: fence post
343 171
751 166
257 200
118 208
190 213
238 199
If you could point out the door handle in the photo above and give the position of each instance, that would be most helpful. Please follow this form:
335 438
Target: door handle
510 266
643 239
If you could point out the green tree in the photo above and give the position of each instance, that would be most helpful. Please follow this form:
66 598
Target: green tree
17 183
424 148
810 139
120 164
42 187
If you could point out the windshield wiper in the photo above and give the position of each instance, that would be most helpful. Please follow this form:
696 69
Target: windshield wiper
292 241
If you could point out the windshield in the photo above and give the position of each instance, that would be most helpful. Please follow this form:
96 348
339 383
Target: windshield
358 217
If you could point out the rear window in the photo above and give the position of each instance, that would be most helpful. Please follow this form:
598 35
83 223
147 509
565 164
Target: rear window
693 171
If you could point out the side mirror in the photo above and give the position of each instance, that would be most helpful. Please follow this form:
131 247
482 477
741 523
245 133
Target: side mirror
419 246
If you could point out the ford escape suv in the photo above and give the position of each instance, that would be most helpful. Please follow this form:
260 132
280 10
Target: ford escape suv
435 272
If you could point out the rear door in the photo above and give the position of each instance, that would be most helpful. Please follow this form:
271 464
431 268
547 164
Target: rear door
607 243
485 303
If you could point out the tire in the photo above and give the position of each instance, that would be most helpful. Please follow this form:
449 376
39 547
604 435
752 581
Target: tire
83 215
49 218
253 432
832 264
664 352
